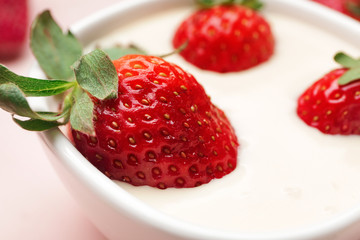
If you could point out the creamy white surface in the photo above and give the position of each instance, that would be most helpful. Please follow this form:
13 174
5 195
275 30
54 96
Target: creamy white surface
288 175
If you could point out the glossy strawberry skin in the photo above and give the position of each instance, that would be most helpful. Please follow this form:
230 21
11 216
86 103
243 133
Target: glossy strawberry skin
225 38
341 6
13 27
161 131
330 107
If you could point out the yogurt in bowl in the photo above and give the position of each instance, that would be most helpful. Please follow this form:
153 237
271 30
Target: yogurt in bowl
291 182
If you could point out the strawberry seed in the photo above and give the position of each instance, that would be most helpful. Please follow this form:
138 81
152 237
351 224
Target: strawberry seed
132 140
140 175
118 164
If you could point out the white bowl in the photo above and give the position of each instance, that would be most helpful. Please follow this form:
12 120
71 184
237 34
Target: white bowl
114 210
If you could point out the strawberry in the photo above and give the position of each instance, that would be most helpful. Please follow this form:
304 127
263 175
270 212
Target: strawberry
13 27
161 131
138 119
348 7
225 38
332 104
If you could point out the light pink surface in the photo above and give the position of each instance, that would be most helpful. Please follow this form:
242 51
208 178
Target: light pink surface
33 202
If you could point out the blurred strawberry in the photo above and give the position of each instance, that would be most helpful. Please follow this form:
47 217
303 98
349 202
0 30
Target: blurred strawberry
225 36
348 7
13 27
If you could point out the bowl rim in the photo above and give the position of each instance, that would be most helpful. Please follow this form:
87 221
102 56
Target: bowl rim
123 201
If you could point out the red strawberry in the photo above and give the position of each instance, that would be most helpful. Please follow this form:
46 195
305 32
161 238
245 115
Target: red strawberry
332 104
161 131
348 7
225 38
13 27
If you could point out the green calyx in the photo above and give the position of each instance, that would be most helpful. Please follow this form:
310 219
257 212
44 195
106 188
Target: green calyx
353 66
253 4
353 7
78 77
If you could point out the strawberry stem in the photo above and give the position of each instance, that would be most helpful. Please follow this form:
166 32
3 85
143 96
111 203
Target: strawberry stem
176 51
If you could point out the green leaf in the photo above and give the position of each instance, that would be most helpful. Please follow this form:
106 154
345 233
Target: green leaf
97 75
353 7
32 86
349 76
346 61
211 3
118 51
81 117
254 4
54 50
36 124
13 100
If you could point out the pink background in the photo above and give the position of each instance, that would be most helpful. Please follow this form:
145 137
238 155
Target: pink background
33 202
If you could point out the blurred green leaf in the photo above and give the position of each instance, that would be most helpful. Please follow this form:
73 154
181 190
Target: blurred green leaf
54 50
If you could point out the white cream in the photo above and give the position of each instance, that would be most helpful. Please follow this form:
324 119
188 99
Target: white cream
289 175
